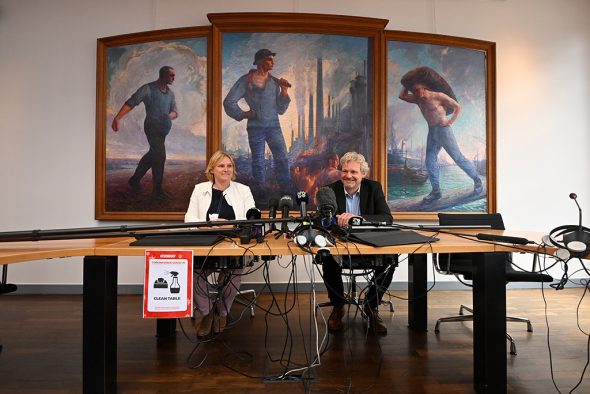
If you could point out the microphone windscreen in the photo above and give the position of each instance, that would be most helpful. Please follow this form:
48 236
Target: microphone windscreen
355 221
253 214
286 202
273 203
302 197
325 199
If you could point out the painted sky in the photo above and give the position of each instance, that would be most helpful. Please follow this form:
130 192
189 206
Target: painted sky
296 60
131 66
464 69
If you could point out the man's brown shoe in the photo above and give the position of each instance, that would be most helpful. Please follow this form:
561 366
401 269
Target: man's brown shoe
205 325
219 323
375 322
335 319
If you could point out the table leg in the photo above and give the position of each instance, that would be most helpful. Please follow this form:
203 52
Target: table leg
99 370
417 296
165 328
489 322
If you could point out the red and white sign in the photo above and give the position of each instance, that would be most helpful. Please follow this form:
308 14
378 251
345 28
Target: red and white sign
168 284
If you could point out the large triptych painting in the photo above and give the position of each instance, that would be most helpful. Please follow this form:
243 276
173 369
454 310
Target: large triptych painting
287 94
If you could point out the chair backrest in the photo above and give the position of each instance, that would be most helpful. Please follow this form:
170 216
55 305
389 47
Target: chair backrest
460 263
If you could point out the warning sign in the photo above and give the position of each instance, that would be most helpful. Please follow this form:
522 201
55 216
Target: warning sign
168 284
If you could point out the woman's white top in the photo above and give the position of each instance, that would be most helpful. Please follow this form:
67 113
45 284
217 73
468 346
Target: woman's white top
237 195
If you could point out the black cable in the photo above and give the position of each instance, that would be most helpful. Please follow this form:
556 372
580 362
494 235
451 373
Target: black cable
288 346
583 332
288 343
549 340
350 364
219 287
586 289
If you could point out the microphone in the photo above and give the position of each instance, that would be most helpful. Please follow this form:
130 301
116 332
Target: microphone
574 238
503 238
253 214
326 202
574 197
302 200
273 204
359 221
577 241
256 230
285 205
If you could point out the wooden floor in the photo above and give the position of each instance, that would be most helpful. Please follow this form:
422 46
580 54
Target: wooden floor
42 352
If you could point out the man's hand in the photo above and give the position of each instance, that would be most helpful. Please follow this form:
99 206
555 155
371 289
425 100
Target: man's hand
406 95
444 122
284 83
251 114
343 218
122 112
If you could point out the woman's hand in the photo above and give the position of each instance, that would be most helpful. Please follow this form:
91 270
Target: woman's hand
221 225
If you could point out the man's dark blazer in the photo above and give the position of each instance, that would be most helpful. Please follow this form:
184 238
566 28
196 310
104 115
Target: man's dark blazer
373 205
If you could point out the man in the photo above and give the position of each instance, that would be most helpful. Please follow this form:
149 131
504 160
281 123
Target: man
267 98
357 196
160 109
426 88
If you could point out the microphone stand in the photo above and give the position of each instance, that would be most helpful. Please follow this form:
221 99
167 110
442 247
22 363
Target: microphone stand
284 229
301 220
271 228
123 230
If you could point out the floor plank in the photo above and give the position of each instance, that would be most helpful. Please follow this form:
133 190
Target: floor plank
42 336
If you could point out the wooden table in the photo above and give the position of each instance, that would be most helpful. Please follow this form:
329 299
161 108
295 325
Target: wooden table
100 293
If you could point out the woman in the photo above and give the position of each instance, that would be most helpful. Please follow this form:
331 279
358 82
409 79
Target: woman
218 199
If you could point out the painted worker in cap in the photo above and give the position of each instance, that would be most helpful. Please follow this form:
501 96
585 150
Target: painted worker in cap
267 98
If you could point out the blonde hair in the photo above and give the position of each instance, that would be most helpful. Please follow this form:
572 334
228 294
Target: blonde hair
354 156
216 158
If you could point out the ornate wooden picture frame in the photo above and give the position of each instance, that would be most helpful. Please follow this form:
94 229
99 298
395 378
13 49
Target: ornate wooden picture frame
344 77
149 157
330 102
441 152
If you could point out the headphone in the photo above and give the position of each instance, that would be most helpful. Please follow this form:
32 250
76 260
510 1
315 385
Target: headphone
575 240
307 235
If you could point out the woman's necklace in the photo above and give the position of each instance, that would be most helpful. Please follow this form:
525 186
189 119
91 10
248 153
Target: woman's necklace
221 198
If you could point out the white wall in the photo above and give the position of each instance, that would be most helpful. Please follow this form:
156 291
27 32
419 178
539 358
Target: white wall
47 105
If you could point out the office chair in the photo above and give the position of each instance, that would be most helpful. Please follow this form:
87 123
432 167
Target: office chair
5 287
246 297
460 264
360 266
